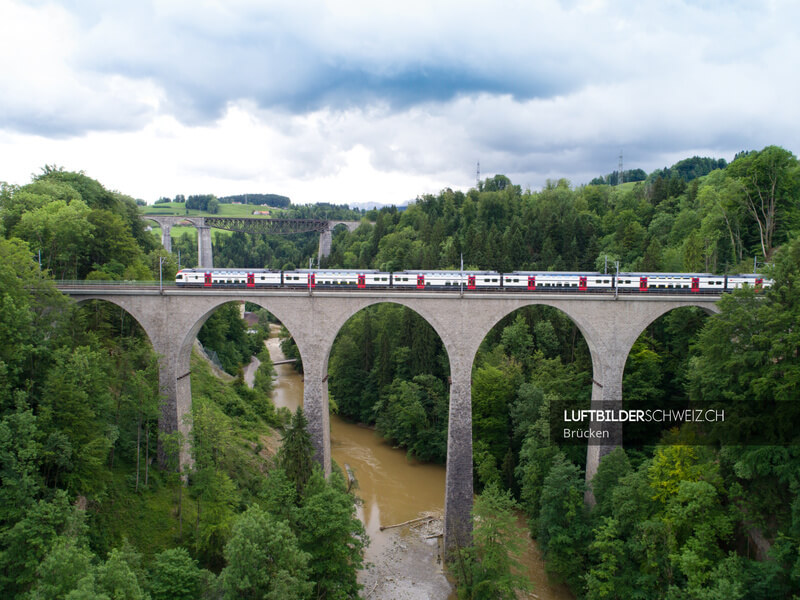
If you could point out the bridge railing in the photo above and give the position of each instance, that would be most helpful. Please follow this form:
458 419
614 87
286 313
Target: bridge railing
111 283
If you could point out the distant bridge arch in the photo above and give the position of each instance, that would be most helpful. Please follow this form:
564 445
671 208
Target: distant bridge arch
204 224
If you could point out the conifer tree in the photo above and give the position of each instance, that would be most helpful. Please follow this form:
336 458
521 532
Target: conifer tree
296 456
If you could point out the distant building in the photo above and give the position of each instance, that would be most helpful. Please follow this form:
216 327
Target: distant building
261 212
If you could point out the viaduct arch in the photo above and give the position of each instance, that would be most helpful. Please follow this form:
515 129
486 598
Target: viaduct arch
610 326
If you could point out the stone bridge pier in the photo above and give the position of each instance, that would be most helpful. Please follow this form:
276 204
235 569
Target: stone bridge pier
326 237
172 319
205 256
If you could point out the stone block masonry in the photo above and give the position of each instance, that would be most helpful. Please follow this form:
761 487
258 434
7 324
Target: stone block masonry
610 326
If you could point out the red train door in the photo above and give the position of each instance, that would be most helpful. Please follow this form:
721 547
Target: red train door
531 282
251 280
759 284
207 281
420 282
312 282
642 284
582 283
695 284
362 281
470 282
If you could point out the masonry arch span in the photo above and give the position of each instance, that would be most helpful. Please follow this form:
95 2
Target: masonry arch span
389 368
314 332
381 352
533 362
121 376
198 321
657 368
640 320
135 312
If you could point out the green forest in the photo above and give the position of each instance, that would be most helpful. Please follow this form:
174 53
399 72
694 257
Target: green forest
679 514
86 511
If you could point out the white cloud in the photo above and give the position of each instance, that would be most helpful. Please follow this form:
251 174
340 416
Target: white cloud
335 100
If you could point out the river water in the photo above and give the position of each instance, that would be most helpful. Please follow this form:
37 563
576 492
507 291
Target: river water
393 488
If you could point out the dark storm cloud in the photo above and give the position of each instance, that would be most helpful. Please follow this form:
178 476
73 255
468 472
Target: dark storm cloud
277 62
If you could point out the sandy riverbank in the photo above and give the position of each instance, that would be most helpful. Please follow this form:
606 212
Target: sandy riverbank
403 564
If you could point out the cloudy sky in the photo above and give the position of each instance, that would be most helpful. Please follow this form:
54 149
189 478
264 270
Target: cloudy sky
351 101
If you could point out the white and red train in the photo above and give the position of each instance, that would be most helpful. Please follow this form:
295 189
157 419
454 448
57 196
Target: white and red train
518 281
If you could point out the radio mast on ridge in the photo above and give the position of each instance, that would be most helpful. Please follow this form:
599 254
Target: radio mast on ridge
478 176
621 178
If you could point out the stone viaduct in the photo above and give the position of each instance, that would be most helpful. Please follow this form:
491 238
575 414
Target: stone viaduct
610 326
326 236
205 256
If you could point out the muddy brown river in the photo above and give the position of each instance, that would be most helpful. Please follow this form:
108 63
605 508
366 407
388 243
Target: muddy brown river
393 488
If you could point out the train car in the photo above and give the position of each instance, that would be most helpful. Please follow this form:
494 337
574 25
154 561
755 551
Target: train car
298 279
757 282
483 280
668 282
437 280
247 278
687 283
548 281
340 278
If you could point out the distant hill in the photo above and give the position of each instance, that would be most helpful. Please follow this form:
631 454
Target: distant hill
685 170
613 177
275 200
690 168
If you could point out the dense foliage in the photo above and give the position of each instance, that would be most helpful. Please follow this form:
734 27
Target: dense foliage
671 520
83 512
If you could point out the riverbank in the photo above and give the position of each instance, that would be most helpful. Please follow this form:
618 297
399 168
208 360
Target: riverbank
406 565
